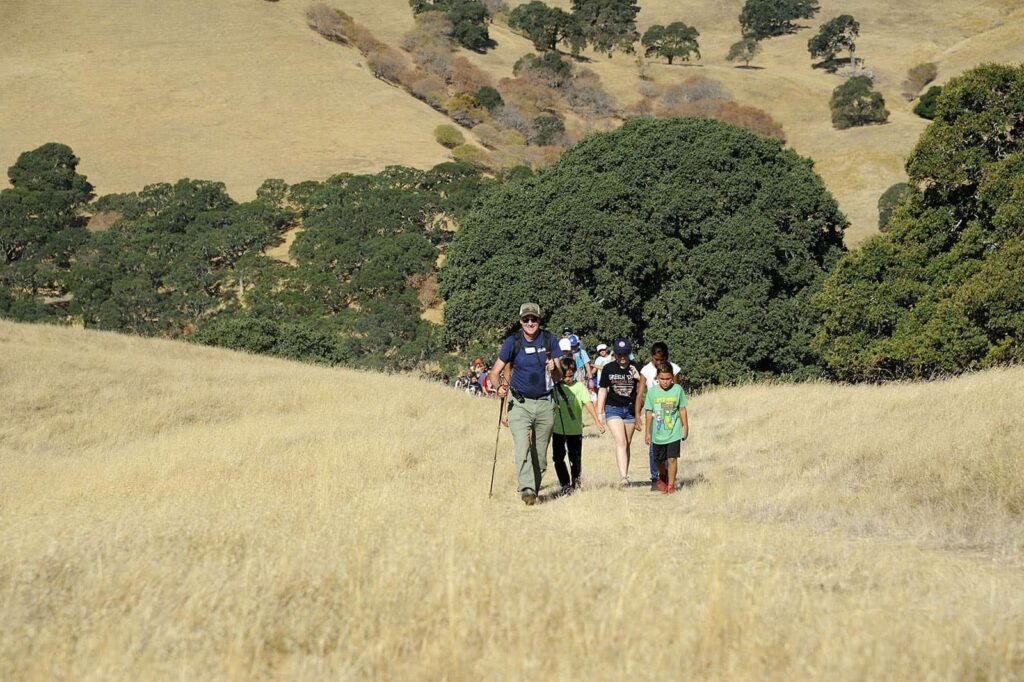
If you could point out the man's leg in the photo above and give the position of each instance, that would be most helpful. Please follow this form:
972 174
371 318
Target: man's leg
543 425
519 420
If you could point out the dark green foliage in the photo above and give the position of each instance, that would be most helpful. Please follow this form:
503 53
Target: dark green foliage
608 25
40 229
856 103
677 40
549 67
547 26
173 258
266 336
834 36
468 17
488 98
546 129
925 108
762 19
891 199
943 290
684 230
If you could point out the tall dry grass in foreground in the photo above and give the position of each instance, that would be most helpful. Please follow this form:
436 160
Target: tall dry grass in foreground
169 511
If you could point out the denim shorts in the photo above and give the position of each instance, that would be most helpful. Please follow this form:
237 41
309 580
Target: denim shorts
623 413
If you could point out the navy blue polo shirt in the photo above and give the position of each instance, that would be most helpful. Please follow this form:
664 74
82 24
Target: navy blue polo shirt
529 376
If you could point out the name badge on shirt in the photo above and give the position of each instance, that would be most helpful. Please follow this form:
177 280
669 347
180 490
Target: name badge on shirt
530 350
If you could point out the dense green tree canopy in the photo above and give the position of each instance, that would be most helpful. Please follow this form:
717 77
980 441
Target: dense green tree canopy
608 24
943 290
547 26
762 19
925 107
40 229
856 103
834 36
172 259
688 231
675 41
468 17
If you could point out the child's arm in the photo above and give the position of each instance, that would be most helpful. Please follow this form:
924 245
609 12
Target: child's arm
647 427
593 415
686 423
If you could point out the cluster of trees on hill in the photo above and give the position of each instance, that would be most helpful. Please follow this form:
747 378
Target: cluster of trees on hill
689 231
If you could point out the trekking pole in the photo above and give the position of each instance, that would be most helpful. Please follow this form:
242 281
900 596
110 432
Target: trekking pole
494 465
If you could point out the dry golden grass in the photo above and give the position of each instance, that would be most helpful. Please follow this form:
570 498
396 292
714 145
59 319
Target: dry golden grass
233 90
169 511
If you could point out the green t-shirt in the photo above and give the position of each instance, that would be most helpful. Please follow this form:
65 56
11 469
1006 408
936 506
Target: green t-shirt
667 426
570 423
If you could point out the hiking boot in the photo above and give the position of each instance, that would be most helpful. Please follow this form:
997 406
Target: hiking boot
661 486
566 491
530 498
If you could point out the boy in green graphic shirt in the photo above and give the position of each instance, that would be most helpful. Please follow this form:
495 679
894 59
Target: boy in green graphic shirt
571 398
667 425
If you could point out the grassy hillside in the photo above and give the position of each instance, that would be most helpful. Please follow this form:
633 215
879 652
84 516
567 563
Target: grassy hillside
236 90
241 90
175 511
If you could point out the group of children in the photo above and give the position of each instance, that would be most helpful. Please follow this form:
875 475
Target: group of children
626 394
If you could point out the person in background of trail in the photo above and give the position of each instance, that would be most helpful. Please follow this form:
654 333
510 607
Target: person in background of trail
667 425
531 352
584 370
571 398
659 354
616 399
602 359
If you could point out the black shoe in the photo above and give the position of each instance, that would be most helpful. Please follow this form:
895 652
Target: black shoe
566 490
530 498
654 486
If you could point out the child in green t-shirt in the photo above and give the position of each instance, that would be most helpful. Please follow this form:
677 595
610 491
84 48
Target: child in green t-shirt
667 425
571 397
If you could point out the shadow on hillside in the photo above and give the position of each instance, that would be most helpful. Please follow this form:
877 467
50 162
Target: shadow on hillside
748 67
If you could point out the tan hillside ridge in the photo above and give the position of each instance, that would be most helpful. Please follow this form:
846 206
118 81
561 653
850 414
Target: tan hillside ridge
235 90
168 510
859 164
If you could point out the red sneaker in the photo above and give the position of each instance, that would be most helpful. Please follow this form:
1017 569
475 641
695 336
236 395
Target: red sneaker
662 486
670 490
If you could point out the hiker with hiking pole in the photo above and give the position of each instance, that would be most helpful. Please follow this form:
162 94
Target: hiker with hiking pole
532 353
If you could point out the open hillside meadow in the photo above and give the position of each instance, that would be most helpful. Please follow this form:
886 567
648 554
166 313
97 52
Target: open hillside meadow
173 511
242 90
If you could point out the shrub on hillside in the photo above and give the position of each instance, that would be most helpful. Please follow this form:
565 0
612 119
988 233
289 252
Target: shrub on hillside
547 130
327 21
429 89
890 200
942 290
587 95
856 103
720 237
744 51
488 135
387 65
473 155
926 107
488 97
549 69
448 136
918 77
295 341
463 110
467 79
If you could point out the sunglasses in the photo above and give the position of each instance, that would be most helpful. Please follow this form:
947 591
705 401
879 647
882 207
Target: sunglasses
529 319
